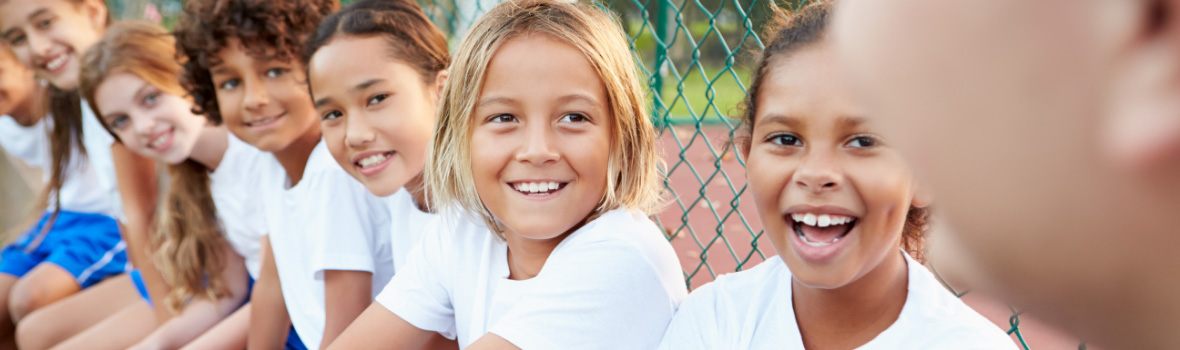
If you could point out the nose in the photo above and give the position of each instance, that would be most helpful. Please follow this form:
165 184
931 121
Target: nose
538 147
357 131
144 127
256 95
818 173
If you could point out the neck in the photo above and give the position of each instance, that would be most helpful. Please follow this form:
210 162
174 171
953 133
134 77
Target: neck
31 110
294 157
526 256
417 189
210 147
853 314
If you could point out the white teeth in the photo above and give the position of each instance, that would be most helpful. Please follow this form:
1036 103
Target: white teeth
809 219
536 187
373 160
821 220
824 221
809 242
57 62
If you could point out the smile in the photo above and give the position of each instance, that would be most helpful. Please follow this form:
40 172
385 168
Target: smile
372 163
264 122
535 188
822 230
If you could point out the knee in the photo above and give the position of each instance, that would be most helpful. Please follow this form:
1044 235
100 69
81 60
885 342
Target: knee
35 332
26 298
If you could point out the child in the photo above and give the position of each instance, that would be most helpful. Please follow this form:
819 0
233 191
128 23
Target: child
1050 131
130 79
78 236
839 205
545 159
328 240
377 111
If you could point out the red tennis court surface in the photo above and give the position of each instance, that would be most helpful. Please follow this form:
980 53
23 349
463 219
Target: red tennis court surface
707 183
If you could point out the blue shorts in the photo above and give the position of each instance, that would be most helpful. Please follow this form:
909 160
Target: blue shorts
293 341
88 246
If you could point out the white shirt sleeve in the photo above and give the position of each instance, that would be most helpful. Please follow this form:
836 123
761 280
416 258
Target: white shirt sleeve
347 226
419 293
695 324
602 295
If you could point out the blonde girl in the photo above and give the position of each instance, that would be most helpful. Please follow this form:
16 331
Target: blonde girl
544 162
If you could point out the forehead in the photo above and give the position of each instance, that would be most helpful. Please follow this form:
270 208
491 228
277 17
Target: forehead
15 13
337 62
519 70
117 89
236 55
806 84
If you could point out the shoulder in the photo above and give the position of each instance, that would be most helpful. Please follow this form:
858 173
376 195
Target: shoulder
943 318
738 291
620 241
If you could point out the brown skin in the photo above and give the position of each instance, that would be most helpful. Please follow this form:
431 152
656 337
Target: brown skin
20 97
1052 142
813 145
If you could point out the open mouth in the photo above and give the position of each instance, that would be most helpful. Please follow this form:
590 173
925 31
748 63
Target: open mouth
538 188
57 64
822 230
373 163
161 141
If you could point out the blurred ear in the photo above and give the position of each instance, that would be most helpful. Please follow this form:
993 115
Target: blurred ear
440 81
1142 127
96 11
922 198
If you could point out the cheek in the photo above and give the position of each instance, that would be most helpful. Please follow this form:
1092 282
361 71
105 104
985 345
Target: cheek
229 105
768 176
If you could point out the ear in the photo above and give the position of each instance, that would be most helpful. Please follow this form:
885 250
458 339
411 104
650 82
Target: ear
921 196
96 10
1141 130
440 81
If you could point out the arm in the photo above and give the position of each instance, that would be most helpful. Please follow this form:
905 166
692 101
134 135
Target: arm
492 342
377 325
269 322
137 190
202 314
346 294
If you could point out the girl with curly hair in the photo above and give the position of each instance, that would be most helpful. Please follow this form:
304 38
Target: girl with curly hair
844 213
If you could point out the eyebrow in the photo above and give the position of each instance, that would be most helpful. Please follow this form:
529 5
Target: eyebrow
789 121
495 100
357 88
37 13
851 121
577 97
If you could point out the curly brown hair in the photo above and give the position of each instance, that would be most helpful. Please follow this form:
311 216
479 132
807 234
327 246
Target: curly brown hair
787 33
268 29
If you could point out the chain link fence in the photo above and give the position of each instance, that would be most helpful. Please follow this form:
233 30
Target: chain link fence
697 56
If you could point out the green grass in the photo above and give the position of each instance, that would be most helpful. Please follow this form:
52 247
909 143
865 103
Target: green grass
693 91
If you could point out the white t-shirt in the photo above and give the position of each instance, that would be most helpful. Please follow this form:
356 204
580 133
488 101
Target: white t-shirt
753 310
328 221
98 149
235 185
86 189
407 224
612 284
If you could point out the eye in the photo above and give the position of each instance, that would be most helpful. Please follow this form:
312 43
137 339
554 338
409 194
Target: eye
863 141
16 40
785 139
331 115
151 98
377 99
118 122
229 85
502 118
44 23
275 72
574 118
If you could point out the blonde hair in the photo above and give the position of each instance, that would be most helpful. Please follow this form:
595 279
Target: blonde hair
189 245
633 179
